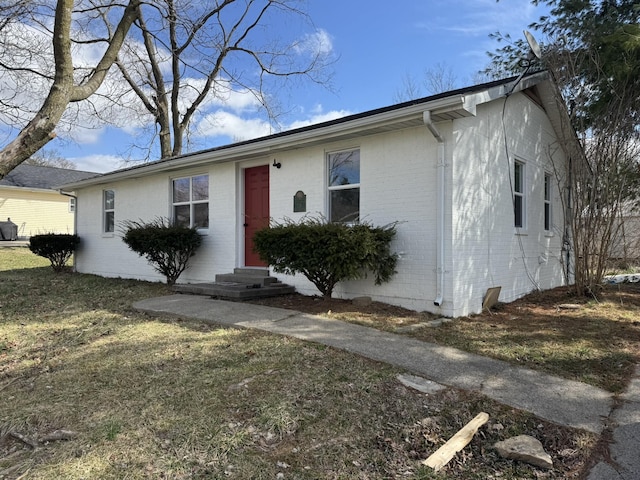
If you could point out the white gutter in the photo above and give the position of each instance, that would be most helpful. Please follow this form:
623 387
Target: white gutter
75 220
440 213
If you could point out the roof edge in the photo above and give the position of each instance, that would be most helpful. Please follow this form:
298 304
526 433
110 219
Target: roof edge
467 98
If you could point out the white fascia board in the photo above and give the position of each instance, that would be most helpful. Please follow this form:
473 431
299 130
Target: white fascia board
472 100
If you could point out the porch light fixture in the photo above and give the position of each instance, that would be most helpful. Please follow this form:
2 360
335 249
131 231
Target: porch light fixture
276 164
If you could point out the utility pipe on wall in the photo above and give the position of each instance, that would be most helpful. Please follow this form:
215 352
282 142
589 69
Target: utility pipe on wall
75 220
440 242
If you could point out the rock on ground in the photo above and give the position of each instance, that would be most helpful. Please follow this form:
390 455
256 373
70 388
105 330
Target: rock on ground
526 449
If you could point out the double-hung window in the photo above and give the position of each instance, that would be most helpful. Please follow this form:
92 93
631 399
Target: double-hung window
518 195
108 211
344 186
191 201
548 219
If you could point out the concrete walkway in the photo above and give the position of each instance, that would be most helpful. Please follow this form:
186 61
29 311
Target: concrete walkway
562 401
625 449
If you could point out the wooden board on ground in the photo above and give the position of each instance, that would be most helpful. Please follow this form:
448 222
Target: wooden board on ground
456 443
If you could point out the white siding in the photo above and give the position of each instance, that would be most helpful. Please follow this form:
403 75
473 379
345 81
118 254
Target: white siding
36 212
488 251
143 199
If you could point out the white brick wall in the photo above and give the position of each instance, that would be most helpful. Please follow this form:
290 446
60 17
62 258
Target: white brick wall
398 184
487 247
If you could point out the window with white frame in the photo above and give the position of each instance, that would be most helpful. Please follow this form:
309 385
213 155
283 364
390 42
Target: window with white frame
108 211
72 204
548 219
190 198
519 195
344 186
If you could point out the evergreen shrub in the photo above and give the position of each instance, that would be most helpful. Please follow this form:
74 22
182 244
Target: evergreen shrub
328 253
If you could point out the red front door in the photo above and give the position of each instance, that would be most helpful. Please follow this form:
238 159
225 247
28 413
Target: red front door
256 210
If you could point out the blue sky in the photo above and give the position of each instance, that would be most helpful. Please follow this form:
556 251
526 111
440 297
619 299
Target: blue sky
377 44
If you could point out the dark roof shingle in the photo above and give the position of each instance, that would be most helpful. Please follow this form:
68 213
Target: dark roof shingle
36 176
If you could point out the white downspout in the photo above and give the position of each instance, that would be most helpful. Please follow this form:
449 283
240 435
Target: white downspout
440 213
75 220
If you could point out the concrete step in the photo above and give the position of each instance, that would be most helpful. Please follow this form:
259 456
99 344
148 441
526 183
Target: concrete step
234 290
242 283
257 271
249 279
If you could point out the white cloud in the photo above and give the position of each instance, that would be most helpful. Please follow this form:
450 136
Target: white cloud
472 24
222 94
481 17
98 163
237 128
317 43
222 123
319 118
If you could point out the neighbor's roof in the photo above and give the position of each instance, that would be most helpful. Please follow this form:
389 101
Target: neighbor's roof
445 106
42 178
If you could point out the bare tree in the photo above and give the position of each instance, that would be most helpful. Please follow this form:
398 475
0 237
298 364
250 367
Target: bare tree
50 158
12 10
602 183
603 189
64 87
187 54
409 90
592 49
437 79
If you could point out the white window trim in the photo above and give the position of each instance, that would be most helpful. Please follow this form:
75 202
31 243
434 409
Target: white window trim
72 205
191 203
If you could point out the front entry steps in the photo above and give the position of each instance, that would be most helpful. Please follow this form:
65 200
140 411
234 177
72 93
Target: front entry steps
243 283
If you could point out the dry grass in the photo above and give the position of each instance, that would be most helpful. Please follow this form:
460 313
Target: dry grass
597 343
177 399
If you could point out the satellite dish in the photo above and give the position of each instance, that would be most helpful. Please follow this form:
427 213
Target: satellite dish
533 45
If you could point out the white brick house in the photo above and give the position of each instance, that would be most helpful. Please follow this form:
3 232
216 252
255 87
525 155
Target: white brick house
474 176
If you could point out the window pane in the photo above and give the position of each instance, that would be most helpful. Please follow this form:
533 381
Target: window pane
547 187
344 168
519 181
200 188
109 200
181 190
182 215
517 205
547 216
345 205
109 222
201 215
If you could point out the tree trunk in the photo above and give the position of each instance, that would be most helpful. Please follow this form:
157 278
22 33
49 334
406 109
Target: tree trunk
40 130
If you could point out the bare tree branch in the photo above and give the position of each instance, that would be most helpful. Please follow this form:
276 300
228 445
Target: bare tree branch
63 91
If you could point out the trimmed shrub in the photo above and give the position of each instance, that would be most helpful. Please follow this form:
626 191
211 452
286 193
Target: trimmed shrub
328 253
166 247
56 247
